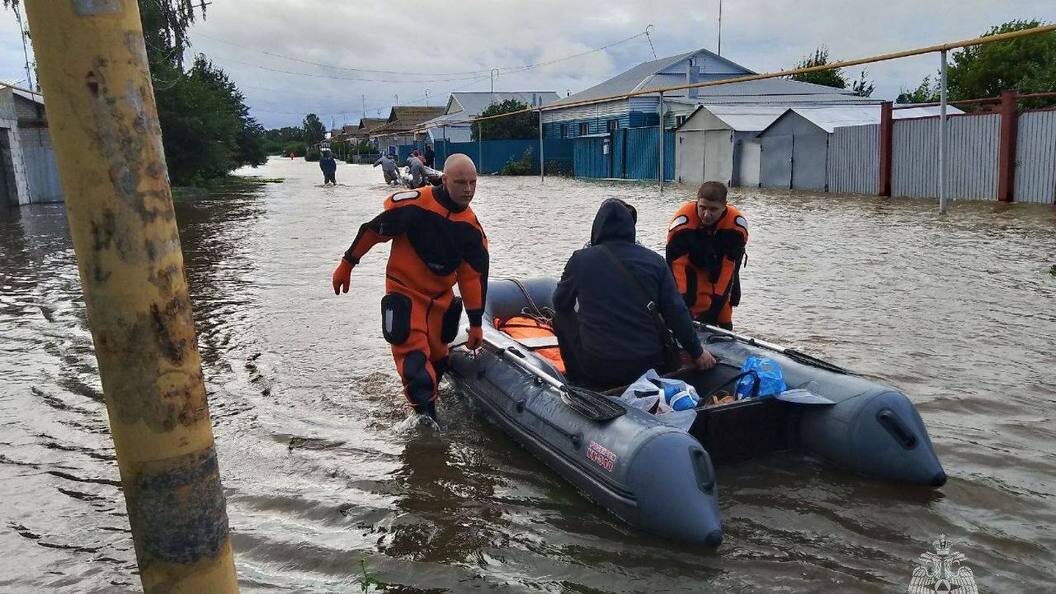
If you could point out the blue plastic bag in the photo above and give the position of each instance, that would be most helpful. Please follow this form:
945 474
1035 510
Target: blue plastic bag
767 376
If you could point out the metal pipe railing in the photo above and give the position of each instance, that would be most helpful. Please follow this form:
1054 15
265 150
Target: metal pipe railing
982 40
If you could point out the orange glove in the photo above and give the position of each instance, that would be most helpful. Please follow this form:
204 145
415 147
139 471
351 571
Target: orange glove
342 277
476 338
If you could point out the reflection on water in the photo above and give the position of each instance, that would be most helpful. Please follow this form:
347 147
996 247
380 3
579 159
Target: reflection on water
326 491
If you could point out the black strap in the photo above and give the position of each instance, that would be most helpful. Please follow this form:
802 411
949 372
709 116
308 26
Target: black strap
666 342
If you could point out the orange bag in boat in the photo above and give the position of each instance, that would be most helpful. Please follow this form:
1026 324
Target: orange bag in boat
524 327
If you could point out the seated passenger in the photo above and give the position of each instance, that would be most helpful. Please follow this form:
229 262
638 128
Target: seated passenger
608 334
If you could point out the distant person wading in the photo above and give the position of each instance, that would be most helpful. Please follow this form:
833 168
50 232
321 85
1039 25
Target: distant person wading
329 166
388 169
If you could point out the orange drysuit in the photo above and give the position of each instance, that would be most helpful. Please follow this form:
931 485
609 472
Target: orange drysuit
435 243
706 262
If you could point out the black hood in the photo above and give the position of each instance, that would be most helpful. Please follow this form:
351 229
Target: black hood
614 222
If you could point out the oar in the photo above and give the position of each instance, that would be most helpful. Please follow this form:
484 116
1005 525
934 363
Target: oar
793 354
596 407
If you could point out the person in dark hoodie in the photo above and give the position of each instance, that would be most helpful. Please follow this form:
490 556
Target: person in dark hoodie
607 334
329 167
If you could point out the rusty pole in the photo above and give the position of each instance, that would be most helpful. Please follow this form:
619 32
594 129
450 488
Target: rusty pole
886 135
104 124
1006 176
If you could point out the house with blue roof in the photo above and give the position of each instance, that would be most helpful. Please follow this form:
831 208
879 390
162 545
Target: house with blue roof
688 68
619 137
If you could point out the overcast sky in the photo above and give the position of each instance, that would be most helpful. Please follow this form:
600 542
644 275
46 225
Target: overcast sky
459 41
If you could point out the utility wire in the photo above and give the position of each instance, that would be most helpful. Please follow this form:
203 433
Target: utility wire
357 110
351 78
505 69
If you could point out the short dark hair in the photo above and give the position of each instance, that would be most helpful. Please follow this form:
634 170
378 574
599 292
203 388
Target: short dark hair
712 191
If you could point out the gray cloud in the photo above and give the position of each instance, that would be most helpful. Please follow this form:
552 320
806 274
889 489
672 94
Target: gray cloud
475 35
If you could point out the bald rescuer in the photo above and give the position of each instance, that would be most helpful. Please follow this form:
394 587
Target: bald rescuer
436 242
705 248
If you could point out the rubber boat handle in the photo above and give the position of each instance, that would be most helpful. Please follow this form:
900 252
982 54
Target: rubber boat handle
902 434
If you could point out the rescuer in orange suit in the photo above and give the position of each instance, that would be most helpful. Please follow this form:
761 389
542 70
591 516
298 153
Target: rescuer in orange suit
705 248
436 243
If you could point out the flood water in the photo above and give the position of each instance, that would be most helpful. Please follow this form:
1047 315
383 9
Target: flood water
327 494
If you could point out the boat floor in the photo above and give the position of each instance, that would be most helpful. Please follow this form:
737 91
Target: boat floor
730 432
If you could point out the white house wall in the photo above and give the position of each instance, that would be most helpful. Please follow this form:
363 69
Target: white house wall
582 112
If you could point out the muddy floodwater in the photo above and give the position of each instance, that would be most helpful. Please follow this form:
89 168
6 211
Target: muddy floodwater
326 492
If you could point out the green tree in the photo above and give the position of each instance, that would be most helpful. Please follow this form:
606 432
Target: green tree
1026 65
517 127
862 87
833 77
926 92
295 148
205 124
314 130
277 140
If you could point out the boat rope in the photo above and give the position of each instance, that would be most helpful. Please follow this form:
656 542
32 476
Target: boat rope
543 315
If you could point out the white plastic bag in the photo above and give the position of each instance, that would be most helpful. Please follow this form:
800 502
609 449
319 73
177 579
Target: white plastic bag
645 394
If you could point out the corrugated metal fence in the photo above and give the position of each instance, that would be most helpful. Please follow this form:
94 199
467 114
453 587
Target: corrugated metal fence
42 174
971 157
490 156
625 153
1036 158
854 160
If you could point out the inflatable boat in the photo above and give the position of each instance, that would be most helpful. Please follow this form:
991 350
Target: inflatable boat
433 177
660 478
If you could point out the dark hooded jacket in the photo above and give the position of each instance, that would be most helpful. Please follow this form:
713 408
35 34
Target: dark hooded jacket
613 321
327 163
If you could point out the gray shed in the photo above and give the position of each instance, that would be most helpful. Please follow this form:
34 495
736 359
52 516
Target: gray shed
715 143
795 147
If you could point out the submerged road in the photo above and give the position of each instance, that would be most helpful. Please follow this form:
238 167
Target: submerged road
326 491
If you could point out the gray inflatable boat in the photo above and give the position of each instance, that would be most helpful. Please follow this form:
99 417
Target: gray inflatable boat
660 478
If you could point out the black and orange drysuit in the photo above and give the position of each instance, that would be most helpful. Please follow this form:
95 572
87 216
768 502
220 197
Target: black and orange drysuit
706 262
435 243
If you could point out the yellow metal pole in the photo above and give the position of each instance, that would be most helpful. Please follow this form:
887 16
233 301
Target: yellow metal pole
104 123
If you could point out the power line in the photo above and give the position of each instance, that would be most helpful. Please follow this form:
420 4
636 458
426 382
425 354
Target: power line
351 78
507 69
370 108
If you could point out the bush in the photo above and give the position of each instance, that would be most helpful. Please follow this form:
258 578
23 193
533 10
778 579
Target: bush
522 166
312 154
297 149
558 167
